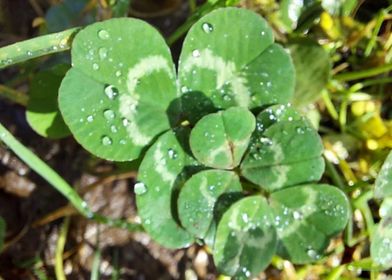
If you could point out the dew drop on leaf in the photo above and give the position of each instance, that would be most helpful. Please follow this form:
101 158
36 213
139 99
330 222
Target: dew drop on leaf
109 114
90 118
265 141
106 140
172 154
300 130
103 34
140 188
118 73
125 122
95 66
196 53
103 53
111 92
297 215
113 129
207 27
312 254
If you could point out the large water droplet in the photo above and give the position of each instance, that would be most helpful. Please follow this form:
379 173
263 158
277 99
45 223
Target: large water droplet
95 66
109 114
106 140
103 53
103 34
196 53
140 188
207 27
111 92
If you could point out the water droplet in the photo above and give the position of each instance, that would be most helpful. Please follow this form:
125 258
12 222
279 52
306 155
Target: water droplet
29 53
109 114
297 215
207 27
123 142
140 188
300 130
106 141
113 129
125 122
196 53
103 34
147 222
172 154
211 188
265 141
118 73
184 89
90 118
262 33
95 66
103 53
111 92
312 254
226 97
245 218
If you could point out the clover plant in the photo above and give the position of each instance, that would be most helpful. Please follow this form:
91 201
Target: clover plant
381 240
226 161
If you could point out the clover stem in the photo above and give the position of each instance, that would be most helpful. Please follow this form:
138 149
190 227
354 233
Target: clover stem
36 47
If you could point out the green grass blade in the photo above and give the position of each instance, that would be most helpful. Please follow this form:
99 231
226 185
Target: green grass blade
59 183
36 47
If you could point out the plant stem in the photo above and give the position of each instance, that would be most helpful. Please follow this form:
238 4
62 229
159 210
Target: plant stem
59 267
349 76
59 183
13 95
36 47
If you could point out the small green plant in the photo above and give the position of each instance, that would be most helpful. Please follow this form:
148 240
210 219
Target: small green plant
226 160
381 238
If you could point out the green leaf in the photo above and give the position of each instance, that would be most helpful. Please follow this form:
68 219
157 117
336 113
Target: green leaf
245 239
42 112
229 59
306 217
383 184
291 10
386 207
163 171
115 97
2 232
381 243
285 150
219 140
313 67
204 197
